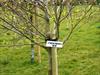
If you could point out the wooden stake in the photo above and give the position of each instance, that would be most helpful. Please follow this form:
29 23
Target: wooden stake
54 62
50 61
39 51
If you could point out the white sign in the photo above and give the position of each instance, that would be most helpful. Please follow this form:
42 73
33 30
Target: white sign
56 44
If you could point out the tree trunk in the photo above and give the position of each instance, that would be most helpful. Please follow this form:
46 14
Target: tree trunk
37 48
53 63
32 42
52 52
32 52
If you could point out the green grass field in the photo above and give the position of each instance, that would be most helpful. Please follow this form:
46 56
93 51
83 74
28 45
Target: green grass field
80 56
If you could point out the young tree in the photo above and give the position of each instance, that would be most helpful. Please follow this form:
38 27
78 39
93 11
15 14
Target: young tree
50 16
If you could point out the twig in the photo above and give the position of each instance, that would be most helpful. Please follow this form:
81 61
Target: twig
70 33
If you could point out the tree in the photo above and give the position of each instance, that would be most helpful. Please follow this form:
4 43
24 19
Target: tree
15 22
50 18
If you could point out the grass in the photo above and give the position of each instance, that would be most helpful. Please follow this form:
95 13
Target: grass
80 56
82 53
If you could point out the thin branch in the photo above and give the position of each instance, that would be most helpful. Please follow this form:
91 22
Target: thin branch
61 9
22 34
66 15
70 33
14 45
23 18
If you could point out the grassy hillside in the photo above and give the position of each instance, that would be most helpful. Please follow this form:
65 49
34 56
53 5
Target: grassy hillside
80 56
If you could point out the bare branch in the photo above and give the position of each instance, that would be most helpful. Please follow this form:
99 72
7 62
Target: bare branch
71 31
